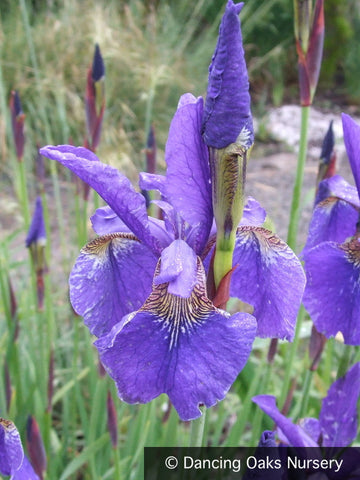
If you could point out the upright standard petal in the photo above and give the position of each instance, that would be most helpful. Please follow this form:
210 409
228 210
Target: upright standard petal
332 294
338 415
295 435
111 278
106 221
352 144
183 347
188 186
227 115
269 277
253 214
110 184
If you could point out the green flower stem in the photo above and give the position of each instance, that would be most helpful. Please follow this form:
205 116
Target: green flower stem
306 393
259 414
197 430
296 198
330 344
223 256
117 469
345 361
290 359
292 236
23 193
255 387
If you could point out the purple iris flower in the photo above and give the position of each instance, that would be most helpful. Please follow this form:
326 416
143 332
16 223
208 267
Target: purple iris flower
12 459
337 422
332 251
227 115
141 285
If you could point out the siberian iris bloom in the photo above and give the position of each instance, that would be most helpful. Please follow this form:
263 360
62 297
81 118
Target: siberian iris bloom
12 459
337 422
141 285
332 251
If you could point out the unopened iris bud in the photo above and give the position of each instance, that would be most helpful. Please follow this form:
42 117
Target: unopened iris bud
35 447
309 34
95 98
17 121
228 132
36 241
150 151
327 156
227 115
36 237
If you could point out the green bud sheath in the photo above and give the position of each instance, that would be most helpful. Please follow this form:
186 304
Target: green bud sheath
228 171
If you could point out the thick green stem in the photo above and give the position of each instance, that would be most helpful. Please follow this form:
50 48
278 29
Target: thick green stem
296 198
197 430
23 193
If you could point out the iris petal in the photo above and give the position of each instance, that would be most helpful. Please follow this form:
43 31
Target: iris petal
333 220
183 347
269 277
106 221
294 434
178 268
11 450
110 184
336 186
352 141
188 186
111 277
332 294
338 416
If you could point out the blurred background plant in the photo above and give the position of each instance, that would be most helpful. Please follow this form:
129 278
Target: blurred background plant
153 52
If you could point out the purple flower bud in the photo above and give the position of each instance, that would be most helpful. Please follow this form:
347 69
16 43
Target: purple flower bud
98 67
95 99
267 439
328 144
150 151
17 120
35 447
227 116
36 240
112 420
37 231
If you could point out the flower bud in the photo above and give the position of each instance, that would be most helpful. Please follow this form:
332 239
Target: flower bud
17 121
